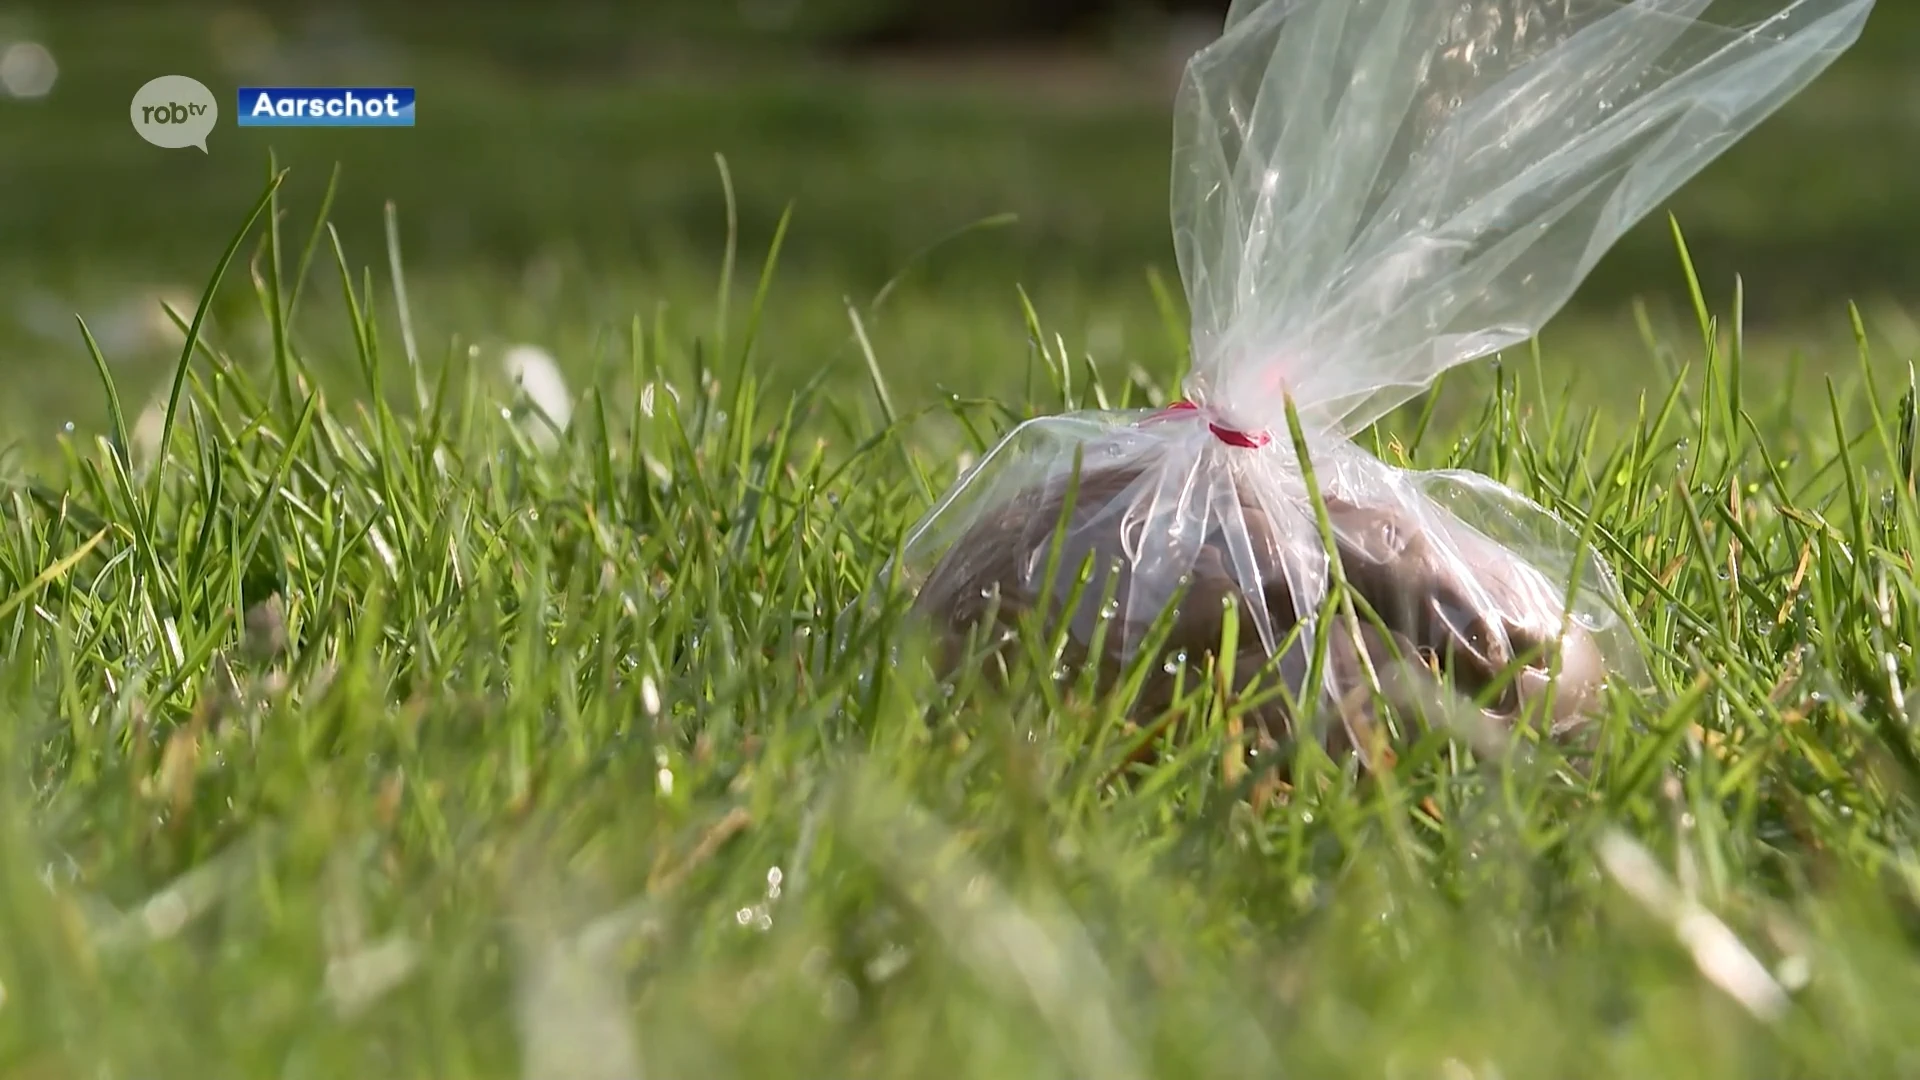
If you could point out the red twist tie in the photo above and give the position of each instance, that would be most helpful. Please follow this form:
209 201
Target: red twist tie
1250 440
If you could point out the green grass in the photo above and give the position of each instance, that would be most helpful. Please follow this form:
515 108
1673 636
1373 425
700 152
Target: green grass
356 734
549 194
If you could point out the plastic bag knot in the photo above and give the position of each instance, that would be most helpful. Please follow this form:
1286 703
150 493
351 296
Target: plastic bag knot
1251 440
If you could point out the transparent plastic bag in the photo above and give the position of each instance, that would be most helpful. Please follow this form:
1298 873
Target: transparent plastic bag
1366 193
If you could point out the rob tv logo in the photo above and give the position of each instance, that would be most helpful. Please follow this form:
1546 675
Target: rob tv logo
174 111
325 106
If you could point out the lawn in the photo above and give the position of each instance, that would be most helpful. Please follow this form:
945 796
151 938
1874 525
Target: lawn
363 725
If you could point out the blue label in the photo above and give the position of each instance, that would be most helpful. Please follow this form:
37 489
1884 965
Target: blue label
325 106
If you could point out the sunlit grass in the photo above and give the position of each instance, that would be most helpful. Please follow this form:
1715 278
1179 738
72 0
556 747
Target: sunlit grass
358 729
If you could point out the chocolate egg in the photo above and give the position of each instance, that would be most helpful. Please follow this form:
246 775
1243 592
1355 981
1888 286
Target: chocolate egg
1456 606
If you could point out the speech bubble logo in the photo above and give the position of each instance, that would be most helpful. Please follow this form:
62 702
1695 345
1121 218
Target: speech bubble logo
174 111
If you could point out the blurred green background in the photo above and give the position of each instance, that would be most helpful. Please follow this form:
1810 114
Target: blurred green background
562 180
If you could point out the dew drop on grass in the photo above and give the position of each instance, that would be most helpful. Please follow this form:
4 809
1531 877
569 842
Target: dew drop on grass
664 777
67 427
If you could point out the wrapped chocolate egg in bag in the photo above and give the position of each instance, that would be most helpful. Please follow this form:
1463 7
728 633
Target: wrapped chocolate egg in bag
1366 193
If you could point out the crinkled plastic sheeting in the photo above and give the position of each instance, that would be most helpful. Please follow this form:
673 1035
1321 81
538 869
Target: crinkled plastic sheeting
1365 194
